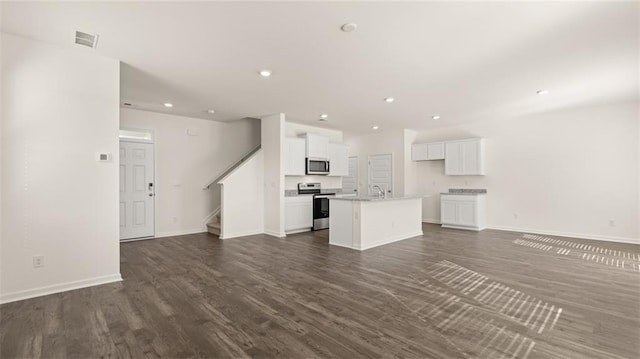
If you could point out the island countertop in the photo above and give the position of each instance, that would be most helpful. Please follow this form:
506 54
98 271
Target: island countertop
374 198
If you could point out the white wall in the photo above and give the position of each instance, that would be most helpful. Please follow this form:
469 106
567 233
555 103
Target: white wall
243 199
293 129
374 144
566 173
273 129
184 164
59 110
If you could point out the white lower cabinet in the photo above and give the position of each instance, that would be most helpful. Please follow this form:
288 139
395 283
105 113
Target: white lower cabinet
298 213
463 211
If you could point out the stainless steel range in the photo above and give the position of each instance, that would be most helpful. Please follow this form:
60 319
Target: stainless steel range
320 204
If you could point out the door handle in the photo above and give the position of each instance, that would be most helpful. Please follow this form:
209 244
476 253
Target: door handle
150 194
150 187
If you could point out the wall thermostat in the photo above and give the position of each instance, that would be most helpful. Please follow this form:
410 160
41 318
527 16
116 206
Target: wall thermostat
104 157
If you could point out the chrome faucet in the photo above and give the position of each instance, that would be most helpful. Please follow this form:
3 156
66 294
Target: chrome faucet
381 192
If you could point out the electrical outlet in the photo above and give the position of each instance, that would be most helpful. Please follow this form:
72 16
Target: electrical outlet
515 216
612 223
38 261
175 219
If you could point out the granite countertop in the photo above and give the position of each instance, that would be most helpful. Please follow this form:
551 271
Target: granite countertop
374 198
465 192
294 192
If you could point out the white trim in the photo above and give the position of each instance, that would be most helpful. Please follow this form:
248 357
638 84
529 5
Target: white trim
57 288
241 234
452 226
568 234
432 221
294 231
275 234
179 233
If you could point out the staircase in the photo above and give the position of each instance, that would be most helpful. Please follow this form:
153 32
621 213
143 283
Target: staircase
214 226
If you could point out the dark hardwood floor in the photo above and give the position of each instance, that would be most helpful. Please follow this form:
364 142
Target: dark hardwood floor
447 294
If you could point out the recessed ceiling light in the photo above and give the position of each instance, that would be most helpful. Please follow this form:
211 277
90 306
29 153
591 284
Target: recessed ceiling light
435 117
265 73
348 27
542 92
168 104
211 111
389 99
374 127
324 115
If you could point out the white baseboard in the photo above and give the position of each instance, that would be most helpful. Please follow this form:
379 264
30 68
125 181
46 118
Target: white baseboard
298 231
241 234
568 234
275 234
557 234
57 288
180 233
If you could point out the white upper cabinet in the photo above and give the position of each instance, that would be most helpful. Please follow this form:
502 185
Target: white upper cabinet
338 159
435 151
317 146
427 151
294 152
464 157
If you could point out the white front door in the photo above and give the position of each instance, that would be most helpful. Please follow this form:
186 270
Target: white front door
137 190
350 182
380 173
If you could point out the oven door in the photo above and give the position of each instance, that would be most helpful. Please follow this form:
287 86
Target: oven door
320 213
320 207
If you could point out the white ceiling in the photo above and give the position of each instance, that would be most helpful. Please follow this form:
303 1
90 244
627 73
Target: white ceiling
463 61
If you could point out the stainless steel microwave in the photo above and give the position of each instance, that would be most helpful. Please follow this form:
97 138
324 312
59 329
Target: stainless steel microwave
317 166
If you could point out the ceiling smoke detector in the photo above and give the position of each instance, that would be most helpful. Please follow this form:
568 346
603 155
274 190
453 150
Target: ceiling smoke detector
88 40
349 27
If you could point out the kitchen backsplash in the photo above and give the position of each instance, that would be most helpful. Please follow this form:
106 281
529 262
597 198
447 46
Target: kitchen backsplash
291 182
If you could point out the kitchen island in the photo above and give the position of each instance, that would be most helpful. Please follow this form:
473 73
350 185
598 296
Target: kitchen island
366 222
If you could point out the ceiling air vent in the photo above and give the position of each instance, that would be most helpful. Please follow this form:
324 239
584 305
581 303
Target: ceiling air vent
84 39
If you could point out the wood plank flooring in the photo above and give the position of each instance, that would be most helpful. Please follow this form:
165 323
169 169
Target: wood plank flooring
447 294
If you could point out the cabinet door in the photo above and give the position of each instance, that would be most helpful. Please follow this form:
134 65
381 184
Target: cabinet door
332 155
294 157
317 146
419 152
470 158
453 159
298 213
448 212
435 151
466 214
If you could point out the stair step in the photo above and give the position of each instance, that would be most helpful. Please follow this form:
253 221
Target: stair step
214 228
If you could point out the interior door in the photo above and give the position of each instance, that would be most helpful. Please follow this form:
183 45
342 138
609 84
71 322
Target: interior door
350 182
137 190
380 170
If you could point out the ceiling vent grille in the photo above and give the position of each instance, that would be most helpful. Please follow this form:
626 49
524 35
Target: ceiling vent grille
84 39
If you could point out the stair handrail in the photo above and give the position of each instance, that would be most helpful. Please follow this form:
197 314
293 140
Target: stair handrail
233 166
